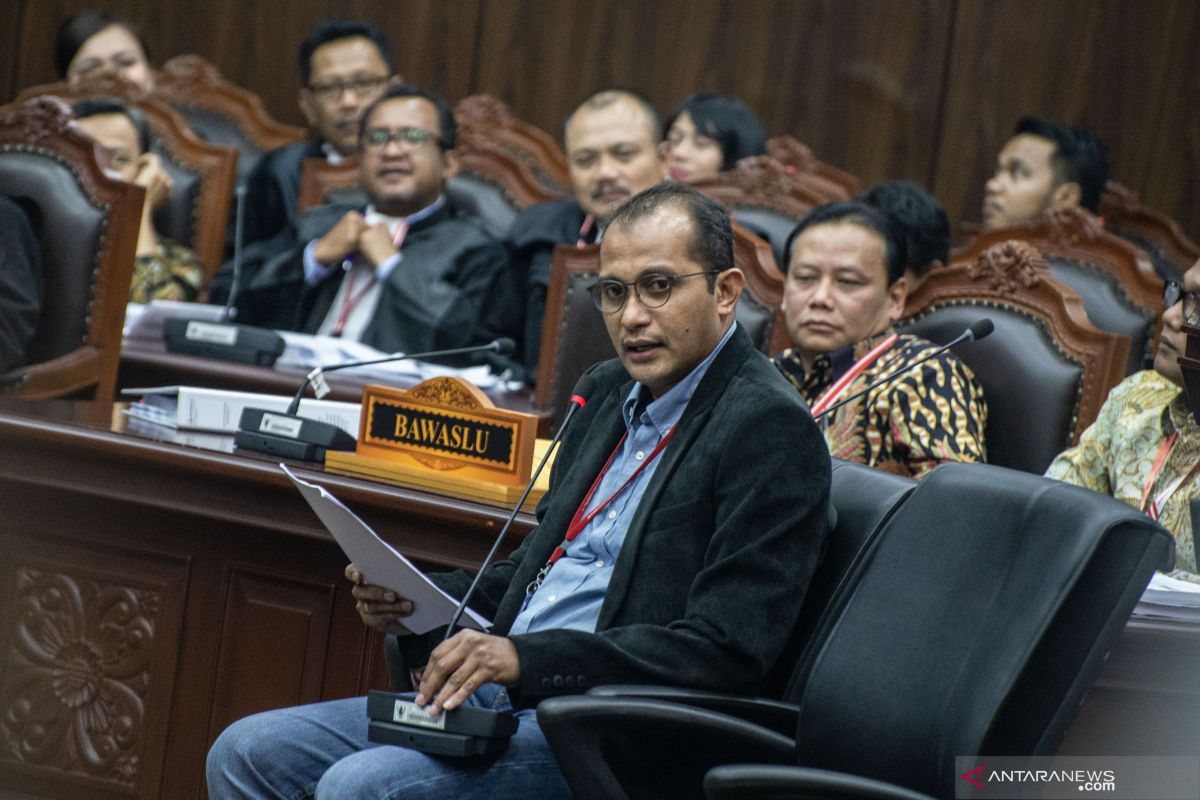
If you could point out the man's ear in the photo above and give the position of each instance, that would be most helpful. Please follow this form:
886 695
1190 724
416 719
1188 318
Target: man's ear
1066 194
728 289
305 100
450 164
897 296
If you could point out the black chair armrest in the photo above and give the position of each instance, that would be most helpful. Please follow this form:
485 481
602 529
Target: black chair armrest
771 714
769 782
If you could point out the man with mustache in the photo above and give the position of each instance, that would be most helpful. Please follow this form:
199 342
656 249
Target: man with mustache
611 141
406 273
1144 447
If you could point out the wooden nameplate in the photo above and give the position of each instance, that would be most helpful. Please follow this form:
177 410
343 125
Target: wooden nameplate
443 435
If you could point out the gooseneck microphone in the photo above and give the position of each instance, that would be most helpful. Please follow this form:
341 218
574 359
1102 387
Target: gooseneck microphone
289 435
226 340
977 330
466 730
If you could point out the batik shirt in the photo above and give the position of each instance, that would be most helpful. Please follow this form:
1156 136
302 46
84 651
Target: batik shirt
1115 455
171 272
936 412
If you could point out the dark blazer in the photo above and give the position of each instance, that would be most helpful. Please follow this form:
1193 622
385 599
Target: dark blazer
21 286
709 581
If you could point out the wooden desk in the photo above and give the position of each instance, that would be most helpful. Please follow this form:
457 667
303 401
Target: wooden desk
152 592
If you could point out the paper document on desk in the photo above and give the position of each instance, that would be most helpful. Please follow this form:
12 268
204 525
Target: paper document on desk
1169 598
199 408
381 565
305 351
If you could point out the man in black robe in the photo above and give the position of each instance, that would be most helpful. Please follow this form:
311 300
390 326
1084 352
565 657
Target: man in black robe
611 141
406 273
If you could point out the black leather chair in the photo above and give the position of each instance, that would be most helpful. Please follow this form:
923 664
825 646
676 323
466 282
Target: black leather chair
87 226
974 623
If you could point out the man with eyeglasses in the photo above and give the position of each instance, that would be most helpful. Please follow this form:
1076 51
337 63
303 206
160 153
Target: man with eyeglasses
685 516
345 66
404 273
1144 447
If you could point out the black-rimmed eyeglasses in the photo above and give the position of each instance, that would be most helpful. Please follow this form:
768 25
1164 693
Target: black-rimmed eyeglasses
653 290
363 89
414 138
1173 293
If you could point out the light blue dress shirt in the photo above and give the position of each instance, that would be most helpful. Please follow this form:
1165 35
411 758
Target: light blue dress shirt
572 592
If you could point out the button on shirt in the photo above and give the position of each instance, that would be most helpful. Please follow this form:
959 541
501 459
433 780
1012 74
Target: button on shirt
571 595
359 273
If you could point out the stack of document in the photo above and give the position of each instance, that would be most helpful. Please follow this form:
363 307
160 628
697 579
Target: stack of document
218 411
1169 598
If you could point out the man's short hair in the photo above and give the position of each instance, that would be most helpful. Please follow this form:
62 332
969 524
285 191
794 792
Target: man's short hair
1079 156
333 29
78 29
711 244
864 216
445 111
736 129
917 217
98 106
607 98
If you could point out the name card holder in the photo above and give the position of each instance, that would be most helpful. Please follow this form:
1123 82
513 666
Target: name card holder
443 435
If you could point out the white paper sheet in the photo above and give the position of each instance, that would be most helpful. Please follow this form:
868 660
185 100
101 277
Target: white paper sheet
381 565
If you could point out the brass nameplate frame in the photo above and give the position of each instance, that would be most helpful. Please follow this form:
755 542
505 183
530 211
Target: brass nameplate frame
447 426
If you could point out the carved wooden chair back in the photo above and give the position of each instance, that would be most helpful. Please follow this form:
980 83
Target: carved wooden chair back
222 112
1121 292
483 118
87 226
1172 251
203 173
806 168
1045 370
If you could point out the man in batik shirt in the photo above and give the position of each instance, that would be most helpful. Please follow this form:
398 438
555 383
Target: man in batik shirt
845 288
1144 447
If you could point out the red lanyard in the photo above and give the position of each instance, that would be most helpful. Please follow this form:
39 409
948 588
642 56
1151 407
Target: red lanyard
838 389
350 299
581 520
584 230
1153 508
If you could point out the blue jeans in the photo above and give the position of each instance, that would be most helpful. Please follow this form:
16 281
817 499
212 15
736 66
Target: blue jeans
321 751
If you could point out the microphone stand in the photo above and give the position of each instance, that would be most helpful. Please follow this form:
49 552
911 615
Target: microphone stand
466 730
292 436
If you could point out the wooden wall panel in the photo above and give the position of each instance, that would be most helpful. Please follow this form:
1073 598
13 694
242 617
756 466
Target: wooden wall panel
859 80
1125 69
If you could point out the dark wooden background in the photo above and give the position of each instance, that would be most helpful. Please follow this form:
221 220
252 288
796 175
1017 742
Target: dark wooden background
919 89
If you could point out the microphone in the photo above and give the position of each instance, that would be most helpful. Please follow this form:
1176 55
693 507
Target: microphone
977 330
291 436
226 340
466 730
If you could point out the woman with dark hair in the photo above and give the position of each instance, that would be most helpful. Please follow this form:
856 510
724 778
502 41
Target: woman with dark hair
97 42
708 133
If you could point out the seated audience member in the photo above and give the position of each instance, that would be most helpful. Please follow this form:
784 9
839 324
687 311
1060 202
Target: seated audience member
1144 447
709 605
345 66
1045 165
845 287
708 133
612 154
406 273
20 284
920 219
163 269
96 43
